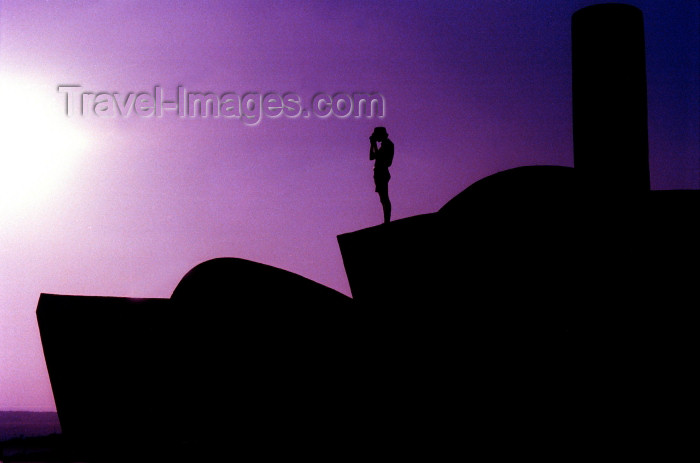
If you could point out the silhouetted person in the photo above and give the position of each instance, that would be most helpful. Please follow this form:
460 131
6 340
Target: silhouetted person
382 157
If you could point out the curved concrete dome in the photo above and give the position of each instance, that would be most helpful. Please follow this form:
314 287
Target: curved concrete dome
235 282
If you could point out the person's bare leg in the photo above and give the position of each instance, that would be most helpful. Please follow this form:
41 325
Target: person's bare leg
386 205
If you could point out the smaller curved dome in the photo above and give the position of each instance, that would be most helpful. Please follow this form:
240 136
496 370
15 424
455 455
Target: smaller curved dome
231 282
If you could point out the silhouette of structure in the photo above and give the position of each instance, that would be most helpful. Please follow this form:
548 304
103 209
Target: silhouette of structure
161 378
568 288
542 310
610 98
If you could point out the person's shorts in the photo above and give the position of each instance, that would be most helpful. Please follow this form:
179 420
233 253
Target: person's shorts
381 181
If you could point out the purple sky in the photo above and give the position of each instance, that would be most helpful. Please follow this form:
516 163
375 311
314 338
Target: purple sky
126 206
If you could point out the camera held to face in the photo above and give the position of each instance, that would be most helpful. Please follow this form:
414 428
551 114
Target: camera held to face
378 135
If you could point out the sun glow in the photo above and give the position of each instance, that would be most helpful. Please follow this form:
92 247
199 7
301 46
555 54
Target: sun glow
38 144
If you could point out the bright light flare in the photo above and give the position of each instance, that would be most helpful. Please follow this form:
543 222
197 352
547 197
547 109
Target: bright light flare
38 144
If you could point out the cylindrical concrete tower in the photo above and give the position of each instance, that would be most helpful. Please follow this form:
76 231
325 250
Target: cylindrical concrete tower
611 148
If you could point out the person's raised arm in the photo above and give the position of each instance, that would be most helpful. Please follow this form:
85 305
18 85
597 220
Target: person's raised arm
372 148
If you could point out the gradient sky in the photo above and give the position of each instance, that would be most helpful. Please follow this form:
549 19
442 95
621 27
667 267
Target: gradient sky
126 206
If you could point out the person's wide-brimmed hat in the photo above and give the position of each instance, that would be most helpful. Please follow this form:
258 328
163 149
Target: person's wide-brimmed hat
380 132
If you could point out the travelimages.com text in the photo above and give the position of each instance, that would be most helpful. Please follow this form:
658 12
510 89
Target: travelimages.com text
250 107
